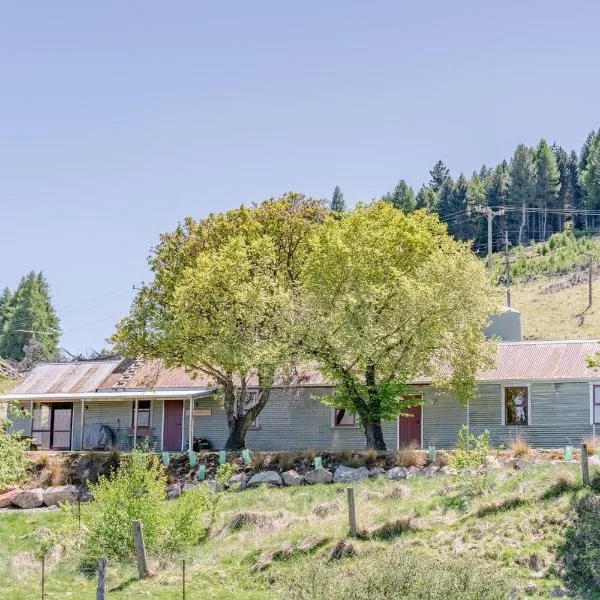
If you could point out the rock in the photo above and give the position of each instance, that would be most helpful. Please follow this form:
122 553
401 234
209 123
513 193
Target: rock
319 475
376 472
310 543
60 494
343 474
492 462
511 463
8 488
411 472
265 477
244 482
342 549
396 473
523 464
186 487
429 471
444 471
212 486
557 592
6 498
28 498
292 477
173 491
84 494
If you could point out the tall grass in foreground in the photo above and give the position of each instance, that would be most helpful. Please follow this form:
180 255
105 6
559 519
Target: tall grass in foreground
414 575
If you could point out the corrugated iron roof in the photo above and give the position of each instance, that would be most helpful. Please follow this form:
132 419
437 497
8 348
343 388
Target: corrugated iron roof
538 360
515 361
70 377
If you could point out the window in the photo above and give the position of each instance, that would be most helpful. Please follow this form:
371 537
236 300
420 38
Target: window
143 418
42 415
342 418
596 405
516 405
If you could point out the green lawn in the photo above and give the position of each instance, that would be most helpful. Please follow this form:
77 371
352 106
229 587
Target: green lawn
502 540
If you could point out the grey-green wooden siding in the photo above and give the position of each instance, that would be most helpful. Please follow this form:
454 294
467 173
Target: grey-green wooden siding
559 415
291 420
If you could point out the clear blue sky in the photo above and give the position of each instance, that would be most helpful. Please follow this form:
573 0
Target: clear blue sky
120 118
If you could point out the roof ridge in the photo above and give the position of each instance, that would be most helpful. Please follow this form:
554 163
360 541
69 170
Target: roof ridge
533 342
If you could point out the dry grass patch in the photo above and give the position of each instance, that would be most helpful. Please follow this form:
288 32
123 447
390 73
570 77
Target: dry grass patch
390 529
592 444
410 456
519 448
489 508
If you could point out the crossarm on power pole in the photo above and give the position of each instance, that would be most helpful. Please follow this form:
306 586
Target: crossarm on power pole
490 213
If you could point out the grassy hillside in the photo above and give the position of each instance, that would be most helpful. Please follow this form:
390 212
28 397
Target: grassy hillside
513 538
550 287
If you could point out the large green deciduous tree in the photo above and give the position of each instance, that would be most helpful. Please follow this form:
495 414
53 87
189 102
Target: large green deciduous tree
388 298
222 301
27 314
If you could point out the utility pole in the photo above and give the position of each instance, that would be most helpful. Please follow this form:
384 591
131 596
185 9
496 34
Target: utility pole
507 269
490 213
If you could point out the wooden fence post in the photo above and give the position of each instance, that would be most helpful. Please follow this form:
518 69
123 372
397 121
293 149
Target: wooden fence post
183 579
140 551
43 574
101 589
351 512
585 468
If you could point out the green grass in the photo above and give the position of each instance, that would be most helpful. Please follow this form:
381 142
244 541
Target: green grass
500 540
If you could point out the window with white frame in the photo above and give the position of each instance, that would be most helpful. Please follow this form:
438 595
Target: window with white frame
143 414
596 405
342 418
516 405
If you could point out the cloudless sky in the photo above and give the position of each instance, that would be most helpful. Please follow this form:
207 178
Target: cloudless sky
118 119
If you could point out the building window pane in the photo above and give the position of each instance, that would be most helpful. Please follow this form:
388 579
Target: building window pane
343 418
143 419
41 417
597 414
516 405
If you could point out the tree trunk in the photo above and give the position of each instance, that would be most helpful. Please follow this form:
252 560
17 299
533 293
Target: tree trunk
237 434
374 436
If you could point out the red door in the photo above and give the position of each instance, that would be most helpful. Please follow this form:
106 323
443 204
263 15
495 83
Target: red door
409 427
173 420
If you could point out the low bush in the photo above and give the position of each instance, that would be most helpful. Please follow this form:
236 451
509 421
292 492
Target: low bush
284 460
410 456
581 550
414 575
592 445
13 463
519 448
471 463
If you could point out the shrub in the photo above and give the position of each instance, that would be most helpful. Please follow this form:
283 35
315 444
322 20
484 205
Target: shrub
370 457
581 550
518 447
414 575
189 519
283 460
410 456
135 491
259 461
13 463
470 460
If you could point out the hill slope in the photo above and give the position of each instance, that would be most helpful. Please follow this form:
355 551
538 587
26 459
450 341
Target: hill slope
550 287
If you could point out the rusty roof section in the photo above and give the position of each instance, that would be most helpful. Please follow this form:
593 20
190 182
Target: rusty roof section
66 378
515 361
539 360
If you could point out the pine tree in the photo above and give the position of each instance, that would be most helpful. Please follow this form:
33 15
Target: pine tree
5 307
439 175
590 176
402 197
337 200
521 186
31 314
426 199
547 183
578 200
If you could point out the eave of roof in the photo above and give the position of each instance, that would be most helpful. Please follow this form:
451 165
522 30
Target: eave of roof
121 395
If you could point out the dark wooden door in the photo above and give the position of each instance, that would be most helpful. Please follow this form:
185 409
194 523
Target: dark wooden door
410 427
172 425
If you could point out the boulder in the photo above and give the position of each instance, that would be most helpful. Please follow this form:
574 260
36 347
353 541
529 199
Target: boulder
6 498
186 487
60 494
28 498
429 471
492 462
396 473
319 475
265 477
376 472
411 472
212 486
173 491
557 592
292 477
343 474
444 471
